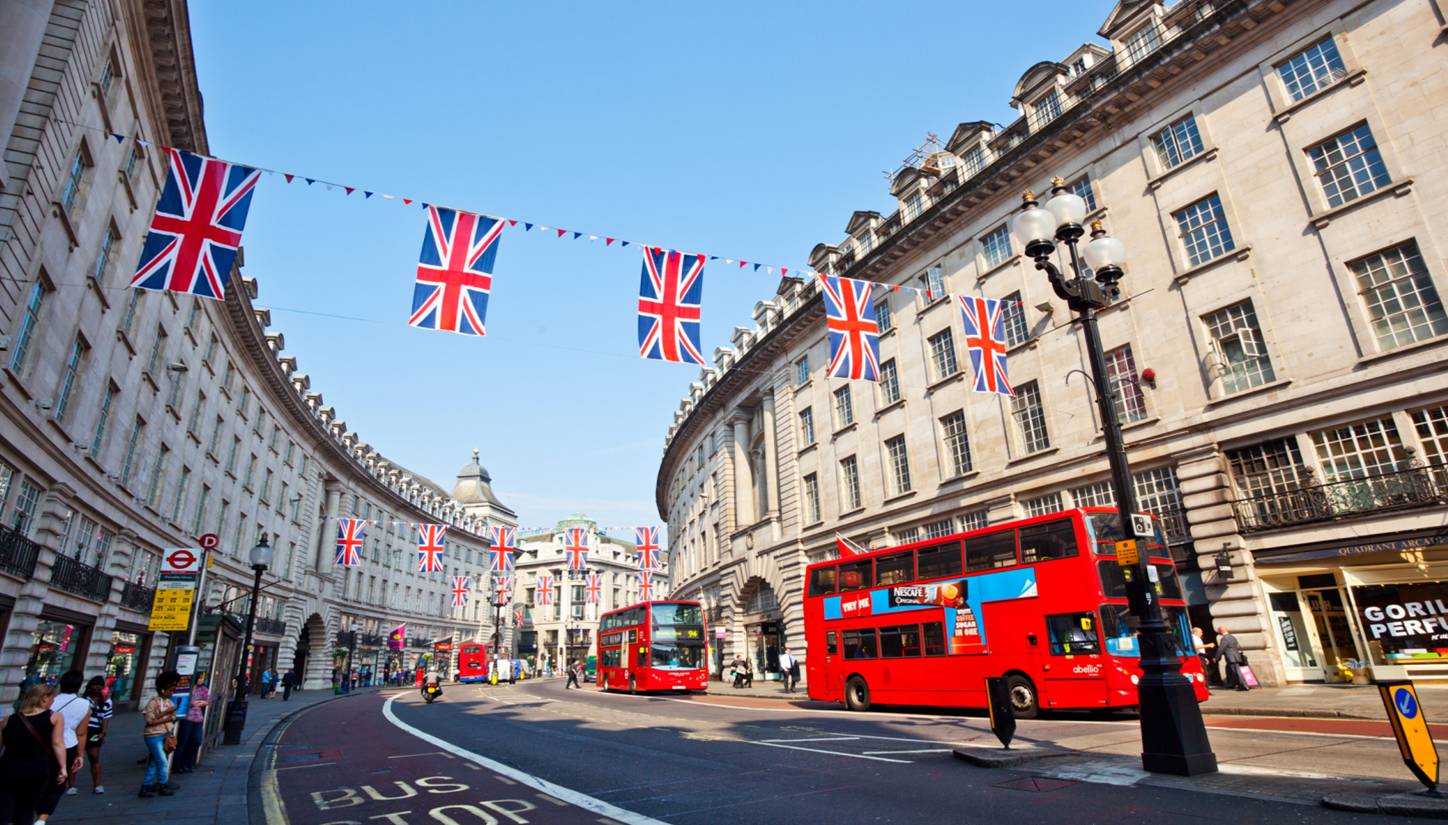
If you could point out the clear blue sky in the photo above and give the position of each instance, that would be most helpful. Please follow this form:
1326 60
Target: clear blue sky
747 131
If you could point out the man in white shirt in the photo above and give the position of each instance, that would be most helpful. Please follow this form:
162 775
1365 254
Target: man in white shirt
788 668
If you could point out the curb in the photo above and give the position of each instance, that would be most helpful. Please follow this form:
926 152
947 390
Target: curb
1002 758
1402 804
254 813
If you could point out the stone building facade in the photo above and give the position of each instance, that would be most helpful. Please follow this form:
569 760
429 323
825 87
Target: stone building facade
132 421
1277 355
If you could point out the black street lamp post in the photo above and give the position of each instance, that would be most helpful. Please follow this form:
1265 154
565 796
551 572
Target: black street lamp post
1173 737
261 558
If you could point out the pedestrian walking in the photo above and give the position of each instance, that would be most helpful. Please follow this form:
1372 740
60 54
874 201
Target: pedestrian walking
266 683
513 668
1204 650
97 728
736 670
34 755
159 715
786 669
1229 650
289 683
74 712
191 730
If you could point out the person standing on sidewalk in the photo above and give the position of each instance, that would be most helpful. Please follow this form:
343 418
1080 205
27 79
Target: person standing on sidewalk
97 727
190 731
1229 650
289 681
34 757
787 670
1204 650
159 715
74 711
266 683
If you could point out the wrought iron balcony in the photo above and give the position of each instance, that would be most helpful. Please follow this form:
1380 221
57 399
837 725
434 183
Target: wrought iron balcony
81 579
18 554
275 627
1308 501
372 639
137 597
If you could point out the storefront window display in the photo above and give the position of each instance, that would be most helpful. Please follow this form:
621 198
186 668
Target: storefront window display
1404 623
123 665
55 647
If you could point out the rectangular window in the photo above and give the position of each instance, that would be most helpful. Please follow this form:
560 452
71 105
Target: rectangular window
936 529
1042 505
934 638
201 502
158 345
68 377
108 74
1267 469
1204 231
812 499
138 429
266 483
1143 42
1045 110
231 456
1073 634
103 255
844 408
1030 418
133 301
103 419
1125 385
942 354
173 395
974 520
181 490
73 180
899 465
990 552
896 568
193 423
933 282
889 383
1044 542
25 501
957 443
1082 186
241 409
859 644
914 205
1013 320
900 642
1241 354
1432 427
801 370
134 161
1177 142
29 318
973 161
1098 494
1312 69
996 246
883 316
1358 450
806 427
1348 165
1402 303
1157 492
850 482
158 472
212 443
939 561
250 472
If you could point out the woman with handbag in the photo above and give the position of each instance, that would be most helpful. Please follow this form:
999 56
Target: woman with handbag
34 757
160 715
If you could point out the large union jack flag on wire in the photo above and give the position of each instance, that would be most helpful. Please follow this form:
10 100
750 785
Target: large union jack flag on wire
670 290
575 544
505 542
646 585
594 587
194 235
853 328
986 341
502 590
543 590
429 547
455 271
349 541
459 591
648 547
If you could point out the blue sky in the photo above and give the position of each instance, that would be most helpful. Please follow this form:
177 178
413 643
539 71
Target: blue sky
747 131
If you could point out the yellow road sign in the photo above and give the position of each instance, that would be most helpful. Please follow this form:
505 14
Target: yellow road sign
1410 726
1126 553
171 609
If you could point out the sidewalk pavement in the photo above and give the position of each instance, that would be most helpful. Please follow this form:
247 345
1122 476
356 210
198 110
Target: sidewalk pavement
215 792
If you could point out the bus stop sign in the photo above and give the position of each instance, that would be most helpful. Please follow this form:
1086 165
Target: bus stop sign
1410 727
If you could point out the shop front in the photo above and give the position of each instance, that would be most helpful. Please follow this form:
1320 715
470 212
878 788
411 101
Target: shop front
1362 612
126 663
59 643
766 639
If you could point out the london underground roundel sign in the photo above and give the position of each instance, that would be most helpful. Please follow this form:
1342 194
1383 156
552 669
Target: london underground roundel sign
181 560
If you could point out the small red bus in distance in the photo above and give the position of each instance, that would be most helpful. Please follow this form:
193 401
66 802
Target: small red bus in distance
656 645
472 662
1040 601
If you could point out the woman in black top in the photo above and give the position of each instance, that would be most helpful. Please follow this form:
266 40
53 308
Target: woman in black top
34 757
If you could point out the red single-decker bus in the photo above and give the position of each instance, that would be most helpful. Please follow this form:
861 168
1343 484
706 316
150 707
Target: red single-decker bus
656 645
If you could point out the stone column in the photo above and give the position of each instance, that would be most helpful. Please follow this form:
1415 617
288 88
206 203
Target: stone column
743 477
771 457
334 501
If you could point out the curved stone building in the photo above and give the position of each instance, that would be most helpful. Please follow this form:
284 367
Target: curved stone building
1274 171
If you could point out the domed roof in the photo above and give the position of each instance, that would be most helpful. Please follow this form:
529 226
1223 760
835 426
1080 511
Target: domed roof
474 485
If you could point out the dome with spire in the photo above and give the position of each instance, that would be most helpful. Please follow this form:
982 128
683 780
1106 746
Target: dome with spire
474 485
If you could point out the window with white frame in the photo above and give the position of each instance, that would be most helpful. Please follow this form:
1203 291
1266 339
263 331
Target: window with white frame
133 443
1203 229
806 426
812 499
1157 492
74 178
801 370
956 442
883 316
73 363
1177 142
1030 417
973 520
1042 505
1241 352
1097 494
1432 427
23 517
1013 320
1266 469
103 255
1045 110
937 529
932 280
844 408
29 318
889 383
1125 385
1402 303
850 482
1366 448
1082 187
899 460
1348 165
942 354
996 246
193 423
181 491
1312 69
906 535
103 419
973 161
1143 42
914 205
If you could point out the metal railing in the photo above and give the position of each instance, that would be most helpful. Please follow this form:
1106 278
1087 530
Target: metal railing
275 627
18 554
372 639
137 597
1307 501
81 579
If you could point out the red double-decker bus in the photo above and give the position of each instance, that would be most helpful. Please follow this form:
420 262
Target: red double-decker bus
1040 601
472 662
656 645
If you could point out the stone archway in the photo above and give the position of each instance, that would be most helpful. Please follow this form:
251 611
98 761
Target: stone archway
313 658
759 621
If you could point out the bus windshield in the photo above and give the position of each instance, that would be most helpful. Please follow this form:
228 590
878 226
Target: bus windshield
675 656
672 614
1118 625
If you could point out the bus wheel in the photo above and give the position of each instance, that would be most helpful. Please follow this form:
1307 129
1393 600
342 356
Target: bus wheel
1024 702
633 686
857 694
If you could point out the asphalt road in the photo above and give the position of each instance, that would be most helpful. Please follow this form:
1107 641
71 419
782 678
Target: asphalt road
489 754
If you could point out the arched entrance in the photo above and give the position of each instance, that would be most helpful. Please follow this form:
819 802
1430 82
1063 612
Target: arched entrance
763 625
311 661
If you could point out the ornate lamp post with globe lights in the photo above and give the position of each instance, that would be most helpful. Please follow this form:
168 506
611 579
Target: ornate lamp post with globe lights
1173 737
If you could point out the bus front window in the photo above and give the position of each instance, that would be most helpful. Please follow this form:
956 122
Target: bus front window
1120 629
672 614
676 657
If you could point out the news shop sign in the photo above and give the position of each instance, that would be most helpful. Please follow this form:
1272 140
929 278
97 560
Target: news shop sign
1403 616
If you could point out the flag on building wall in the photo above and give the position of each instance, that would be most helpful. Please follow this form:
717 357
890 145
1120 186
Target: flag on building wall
647 541
192 241
504 544
671 288
853 328
349 541
518 616
985 339
594 587
397 639
430 547
575 544
459 591
455 271
543 590
646 585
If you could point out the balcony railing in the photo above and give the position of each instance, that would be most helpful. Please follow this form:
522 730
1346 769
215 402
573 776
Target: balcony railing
137 597
372 639
1308 501
18 554
81 579
266 624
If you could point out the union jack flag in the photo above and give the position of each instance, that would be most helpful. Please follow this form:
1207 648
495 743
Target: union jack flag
505 542
648 545
594 587
575 544
455 271
671 287
196 230
349 541
502 589
543 590
518 616
429 547
854 331
459 591
985 339
646 585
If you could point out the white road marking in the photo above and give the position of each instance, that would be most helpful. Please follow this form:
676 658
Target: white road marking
424 753
818 739
827 753
308 765
582 800
919 750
